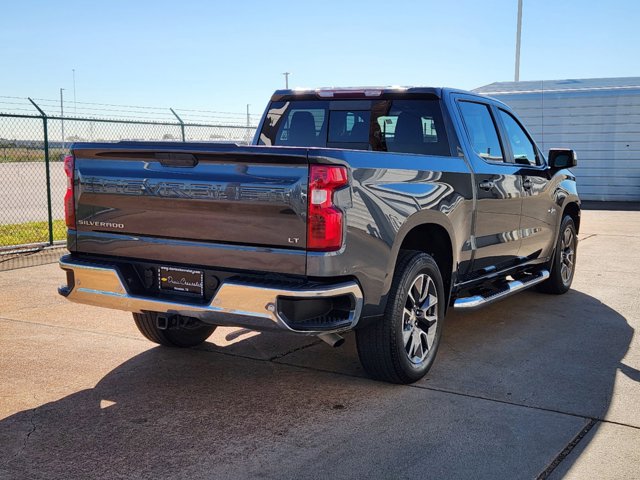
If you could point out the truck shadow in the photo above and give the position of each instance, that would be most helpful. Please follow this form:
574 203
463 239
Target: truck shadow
564 358
555 352
170 412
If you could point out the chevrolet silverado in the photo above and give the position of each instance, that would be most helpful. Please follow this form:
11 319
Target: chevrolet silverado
366 209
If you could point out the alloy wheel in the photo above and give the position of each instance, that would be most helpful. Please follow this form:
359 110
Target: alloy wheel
420 319
567 255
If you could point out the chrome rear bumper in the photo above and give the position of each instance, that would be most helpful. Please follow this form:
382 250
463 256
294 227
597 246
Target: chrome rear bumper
235 303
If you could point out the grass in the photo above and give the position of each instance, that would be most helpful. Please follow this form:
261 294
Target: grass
21 154
31 232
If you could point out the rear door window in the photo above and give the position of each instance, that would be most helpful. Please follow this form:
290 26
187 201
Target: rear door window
481 130
411 126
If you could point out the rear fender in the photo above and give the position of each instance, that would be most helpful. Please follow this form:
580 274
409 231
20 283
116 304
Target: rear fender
424 217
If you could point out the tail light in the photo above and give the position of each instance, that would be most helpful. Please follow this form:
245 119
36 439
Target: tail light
69 204
325 220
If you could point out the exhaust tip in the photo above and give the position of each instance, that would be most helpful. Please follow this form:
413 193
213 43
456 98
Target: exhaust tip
332 339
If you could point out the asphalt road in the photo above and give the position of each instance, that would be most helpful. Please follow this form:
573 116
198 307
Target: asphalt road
23 192
533 386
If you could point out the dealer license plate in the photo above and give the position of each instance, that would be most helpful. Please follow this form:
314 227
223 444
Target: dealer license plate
181 280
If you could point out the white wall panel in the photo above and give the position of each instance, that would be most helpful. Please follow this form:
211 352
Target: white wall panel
599 118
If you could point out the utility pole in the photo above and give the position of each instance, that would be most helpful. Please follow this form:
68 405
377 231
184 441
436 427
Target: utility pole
248 117
75 106
286 80
62 115
518 36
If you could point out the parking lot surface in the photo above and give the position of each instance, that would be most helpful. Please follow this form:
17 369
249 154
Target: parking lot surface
24 198
530 387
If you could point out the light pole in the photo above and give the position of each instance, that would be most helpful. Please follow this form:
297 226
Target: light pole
518 35
248 117
75 106
286 80
62 115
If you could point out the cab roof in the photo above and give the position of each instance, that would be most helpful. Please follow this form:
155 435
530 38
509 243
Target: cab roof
359 92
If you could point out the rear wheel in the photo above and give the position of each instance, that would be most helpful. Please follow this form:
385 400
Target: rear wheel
402 346
188 333
564 260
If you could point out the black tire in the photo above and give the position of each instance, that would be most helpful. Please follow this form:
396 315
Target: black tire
559 282
382 346
190 335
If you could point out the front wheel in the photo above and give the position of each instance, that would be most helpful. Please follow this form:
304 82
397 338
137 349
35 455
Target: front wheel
564 260
188 334
402 346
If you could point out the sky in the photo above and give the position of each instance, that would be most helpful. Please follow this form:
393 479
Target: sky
224 55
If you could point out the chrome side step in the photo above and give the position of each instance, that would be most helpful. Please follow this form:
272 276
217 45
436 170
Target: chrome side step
515 286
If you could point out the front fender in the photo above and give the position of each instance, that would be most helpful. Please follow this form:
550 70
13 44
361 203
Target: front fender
565 193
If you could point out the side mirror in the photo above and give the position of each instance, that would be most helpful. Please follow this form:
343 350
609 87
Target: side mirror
562 158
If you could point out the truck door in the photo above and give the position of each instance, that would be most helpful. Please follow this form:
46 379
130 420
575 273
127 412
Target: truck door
499 201
539 212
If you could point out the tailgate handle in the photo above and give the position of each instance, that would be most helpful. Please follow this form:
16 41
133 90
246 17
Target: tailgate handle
169 159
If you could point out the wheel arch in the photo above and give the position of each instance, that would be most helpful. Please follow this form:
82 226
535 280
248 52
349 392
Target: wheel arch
429 234
573 210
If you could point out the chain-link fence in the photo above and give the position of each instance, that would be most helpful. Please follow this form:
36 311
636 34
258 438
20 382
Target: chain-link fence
32 179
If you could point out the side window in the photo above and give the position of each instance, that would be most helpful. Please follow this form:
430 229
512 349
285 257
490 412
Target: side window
482 130
409 126
523 149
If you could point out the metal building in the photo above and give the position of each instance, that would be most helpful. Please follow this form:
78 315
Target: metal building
599 118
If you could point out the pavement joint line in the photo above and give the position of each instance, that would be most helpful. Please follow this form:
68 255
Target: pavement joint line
81 330
567 450
203 348
281 355
577 415
588 236
276 359
469 395
215 349
611 235
32 307
450 392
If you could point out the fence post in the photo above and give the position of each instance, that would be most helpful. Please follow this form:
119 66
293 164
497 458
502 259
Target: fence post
181 124
47 169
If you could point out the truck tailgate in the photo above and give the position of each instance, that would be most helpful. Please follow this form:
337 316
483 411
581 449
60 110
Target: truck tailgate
213 193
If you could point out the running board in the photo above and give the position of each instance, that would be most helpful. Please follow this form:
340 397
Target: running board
515 286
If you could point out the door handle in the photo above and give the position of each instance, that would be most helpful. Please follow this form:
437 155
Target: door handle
486 185
527 184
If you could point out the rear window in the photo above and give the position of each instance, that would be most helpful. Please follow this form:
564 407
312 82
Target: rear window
408 126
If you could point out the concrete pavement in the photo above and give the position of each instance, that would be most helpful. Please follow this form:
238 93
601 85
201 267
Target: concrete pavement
23 195
531 387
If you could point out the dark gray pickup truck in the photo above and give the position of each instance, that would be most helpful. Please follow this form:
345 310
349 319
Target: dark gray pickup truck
374 209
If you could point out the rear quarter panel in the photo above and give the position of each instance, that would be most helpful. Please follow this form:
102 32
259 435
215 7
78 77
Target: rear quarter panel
391 194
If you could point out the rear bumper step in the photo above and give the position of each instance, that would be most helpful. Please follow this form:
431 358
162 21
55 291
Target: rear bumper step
515 286
236 303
